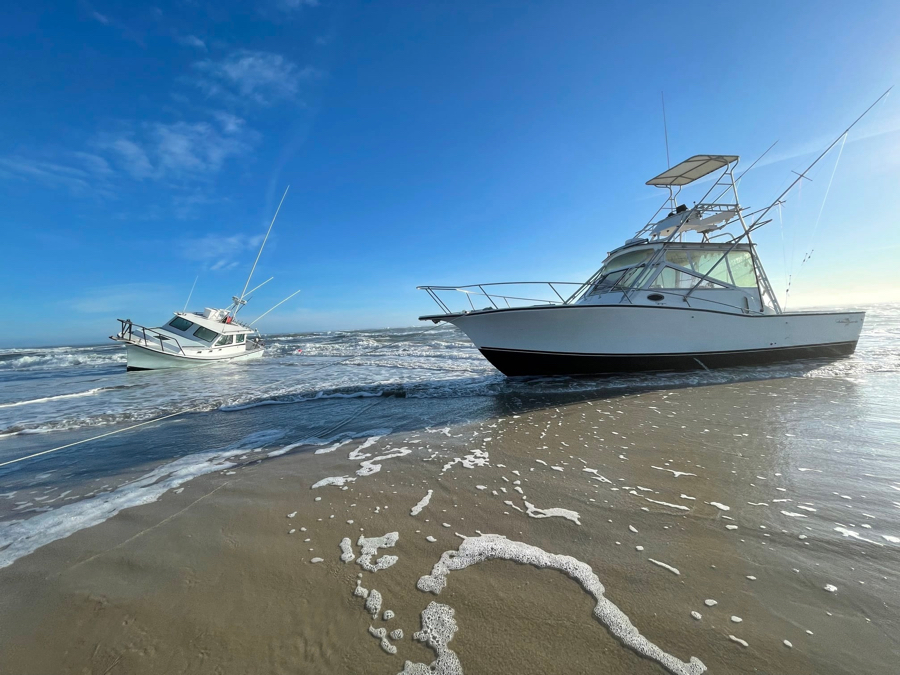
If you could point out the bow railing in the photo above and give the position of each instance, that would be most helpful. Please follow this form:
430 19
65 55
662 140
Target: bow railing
548 295
144 336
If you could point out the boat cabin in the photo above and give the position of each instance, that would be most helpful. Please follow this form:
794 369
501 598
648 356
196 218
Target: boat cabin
689 257
213 328
717 274
681 255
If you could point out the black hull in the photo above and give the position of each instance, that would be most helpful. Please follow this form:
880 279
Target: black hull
514 363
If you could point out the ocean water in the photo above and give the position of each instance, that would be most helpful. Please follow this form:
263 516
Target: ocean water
50 397
790 473
46 390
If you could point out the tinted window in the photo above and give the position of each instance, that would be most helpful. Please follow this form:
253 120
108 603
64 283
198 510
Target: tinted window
240 338
180 323
205 334
225 340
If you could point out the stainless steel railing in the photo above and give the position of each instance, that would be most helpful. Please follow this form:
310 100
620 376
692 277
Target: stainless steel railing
497 300
126 334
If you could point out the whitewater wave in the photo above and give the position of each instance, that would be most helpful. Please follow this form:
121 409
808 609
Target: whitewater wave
60 358
311 367
58 397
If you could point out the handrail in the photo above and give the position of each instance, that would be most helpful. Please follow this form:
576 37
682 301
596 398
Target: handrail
497 283
128 326
492 297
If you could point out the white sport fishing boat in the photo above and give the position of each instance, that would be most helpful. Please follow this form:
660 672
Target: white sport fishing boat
682 294
198 338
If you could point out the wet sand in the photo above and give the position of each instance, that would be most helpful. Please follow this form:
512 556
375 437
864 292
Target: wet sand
211 579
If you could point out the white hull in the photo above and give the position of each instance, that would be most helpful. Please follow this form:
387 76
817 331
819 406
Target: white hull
576 339
142 358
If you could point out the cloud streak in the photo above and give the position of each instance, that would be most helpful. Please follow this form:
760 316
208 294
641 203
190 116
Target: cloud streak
191 41
217 252
186 151
259 77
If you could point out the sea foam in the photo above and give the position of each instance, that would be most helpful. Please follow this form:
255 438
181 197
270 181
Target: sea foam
474 550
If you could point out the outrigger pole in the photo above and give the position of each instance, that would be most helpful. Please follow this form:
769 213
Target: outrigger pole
269 310
239 301
191 293
253 269
757 223
260 286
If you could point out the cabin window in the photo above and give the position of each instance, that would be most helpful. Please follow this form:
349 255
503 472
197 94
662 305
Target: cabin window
205 334
741 264
673 278
628 259
735 269
225 340
239 338
180 323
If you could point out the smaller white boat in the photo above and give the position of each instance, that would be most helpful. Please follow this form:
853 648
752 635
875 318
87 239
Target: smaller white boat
198 338
189 339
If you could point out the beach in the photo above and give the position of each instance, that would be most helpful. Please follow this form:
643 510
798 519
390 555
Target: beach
757 495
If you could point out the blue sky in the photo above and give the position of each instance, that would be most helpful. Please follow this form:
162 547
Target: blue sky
444 143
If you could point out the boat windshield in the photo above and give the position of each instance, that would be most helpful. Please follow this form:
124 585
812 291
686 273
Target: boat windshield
205 334
619 280
225 340
180 323
627 259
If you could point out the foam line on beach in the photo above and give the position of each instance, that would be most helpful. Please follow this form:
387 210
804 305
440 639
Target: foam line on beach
474 550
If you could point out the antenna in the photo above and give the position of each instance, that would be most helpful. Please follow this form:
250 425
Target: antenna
269 310
190 294
253 269
665 129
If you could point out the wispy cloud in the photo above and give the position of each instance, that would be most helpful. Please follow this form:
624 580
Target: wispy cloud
186 154
180 150
260 77
123 29
191 41
230 123
80 172
120 298
218 252
294 5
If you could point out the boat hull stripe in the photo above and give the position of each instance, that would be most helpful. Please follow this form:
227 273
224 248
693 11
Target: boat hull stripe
514 362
